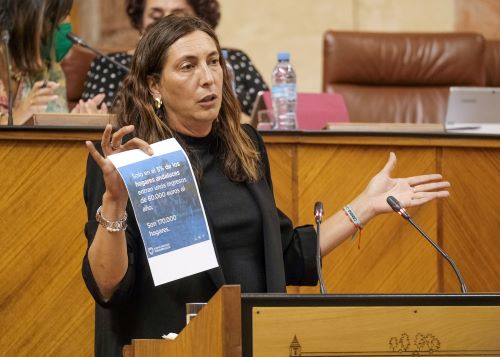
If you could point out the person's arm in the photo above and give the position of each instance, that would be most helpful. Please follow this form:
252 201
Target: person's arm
299 243
107 254
411 191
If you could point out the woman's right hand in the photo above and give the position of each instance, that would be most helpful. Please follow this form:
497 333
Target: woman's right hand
91 106
116 192
35 102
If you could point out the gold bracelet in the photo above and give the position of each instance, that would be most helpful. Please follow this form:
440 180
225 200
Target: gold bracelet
111 226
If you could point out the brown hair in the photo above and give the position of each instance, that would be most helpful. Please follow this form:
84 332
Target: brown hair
26 36
134 104
55 12
207 10
34 24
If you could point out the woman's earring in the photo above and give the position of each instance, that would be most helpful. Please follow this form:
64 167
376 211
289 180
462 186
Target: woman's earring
157 103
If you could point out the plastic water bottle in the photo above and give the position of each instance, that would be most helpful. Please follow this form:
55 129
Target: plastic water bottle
230 70
284 93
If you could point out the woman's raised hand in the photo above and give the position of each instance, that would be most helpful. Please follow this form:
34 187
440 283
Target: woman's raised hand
111 143
410 191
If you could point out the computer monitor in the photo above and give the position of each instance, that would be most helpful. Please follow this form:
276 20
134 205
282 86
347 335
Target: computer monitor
473 110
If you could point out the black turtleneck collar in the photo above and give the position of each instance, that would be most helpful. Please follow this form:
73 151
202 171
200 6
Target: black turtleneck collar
197 142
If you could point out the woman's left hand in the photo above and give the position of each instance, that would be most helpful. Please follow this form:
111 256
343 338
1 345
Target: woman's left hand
91 106
410 191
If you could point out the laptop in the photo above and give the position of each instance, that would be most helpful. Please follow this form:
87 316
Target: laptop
473 110
314 110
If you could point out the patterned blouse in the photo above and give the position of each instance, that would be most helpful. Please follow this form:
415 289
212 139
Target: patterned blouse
105 77
54 74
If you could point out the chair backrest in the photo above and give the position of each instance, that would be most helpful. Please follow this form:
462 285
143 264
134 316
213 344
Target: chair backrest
400 77
75 65
493 63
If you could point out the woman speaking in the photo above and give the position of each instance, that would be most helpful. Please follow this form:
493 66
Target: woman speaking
178 87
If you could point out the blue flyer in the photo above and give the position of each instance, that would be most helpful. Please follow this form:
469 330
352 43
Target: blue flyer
169 212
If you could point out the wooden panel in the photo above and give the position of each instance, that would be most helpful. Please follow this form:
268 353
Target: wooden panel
471 218
282 159
377 331
393 257
478 16
44 305
215 332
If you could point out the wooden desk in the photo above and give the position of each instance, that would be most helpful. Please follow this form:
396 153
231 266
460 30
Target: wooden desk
46 309
393 257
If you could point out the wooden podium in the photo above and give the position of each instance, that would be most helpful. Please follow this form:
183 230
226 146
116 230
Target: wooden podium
270 325
215 331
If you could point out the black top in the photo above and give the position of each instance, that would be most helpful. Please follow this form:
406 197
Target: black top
105 77
255 244
238 237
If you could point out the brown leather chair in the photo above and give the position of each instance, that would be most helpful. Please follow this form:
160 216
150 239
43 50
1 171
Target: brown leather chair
493 63
400 77
75 66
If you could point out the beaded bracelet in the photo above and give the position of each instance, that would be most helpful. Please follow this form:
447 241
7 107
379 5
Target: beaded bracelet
355 221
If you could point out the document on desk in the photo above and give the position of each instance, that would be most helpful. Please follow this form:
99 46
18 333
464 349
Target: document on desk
169 212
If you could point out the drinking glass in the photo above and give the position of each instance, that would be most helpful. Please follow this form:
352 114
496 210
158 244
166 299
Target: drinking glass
192 309
265 120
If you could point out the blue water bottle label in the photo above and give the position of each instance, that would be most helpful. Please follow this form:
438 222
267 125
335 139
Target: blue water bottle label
277 91
287 90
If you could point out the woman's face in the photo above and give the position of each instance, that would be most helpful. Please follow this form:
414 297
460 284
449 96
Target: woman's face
191 84
156 9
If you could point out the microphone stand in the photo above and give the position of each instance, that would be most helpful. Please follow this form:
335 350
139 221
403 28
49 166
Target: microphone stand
396 206
318 215
5 40
78 41
463 287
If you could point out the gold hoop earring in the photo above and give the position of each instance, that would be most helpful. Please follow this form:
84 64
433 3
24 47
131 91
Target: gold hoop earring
157 103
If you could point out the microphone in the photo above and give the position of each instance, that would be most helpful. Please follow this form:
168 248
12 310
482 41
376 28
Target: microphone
5 39
396 207
318 216
318 212
78 41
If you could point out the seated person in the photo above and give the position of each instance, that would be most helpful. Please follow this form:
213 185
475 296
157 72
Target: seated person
37 44
105 77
